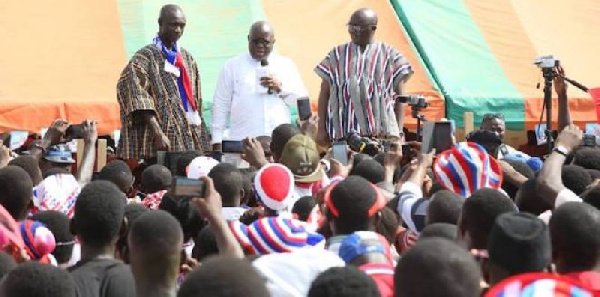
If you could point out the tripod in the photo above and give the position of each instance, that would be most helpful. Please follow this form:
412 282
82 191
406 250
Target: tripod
549 74
415 114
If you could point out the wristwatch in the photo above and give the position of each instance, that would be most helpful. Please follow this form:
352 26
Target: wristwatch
561 150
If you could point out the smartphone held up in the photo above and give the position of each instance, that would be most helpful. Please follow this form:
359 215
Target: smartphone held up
188 188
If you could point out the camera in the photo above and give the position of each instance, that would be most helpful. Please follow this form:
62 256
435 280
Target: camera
415 101
363 145
74 131
546 62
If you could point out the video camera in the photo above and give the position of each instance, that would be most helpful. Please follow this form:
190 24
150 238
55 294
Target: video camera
363 145
546 62
415 101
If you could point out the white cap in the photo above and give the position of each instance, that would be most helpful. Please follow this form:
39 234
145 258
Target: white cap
200 167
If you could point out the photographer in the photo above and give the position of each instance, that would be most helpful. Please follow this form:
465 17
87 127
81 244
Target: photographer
494 122
60 188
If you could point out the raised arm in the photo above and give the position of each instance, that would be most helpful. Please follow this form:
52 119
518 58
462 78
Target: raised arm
86 168
564 114
210 207
54 135
549 182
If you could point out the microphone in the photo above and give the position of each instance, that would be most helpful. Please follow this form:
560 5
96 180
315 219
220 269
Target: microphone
265 63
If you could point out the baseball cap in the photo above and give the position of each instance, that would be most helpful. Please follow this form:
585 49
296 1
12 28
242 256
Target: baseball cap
301 156
200 166
466 168
59 153
361 243
520 242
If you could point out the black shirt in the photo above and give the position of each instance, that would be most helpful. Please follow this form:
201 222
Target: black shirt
103 277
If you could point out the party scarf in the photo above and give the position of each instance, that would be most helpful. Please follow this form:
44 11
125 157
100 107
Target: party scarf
184 83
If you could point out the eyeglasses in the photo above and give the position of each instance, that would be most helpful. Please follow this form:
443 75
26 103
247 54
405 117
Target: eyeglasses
360 28
260 41
491 116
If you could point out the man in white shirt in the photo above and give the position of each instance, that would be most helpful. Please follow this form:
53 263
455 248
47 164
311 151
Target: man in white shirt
255 90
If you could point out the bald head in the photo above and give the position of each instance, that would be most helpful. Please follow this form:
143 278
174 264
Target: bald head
260 40
364 16
260 27
167 10
362 26
171 23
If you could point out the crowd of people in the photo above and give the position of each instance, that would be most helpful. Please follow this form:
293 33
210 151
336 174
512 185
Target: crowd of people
478 219
463 222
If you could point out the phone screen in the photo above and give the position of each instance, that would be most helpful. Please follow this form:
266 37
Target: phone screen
188 188
436 135
304 111
406 149
442 136
340 152
232 146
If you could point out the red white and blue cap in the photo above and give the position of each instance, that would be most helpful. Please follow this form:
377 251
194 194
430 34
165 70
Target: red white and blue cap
539 284
274 235
274 185
466 168
39 240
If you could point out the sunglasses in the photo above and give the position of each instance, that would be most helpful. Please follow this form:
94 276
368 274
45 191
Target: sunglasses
260 41
360 28
377 206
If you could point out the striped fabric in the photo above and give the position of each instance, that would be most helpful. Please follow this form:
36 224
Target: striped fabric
145 86
466 168
274 235
362 88
39 240
539 284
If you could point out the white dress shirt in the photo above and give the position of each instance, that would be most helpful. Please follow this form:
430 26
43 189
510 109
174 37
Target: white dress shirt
240 98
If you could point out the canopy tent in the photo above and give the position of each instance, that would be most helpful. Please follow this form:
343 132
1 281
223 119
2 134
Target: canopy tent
481 53
64 61
59 60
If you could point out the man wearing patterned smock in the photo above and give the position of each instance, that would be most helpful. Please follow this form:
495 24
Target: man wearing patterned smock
360 80
159 95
